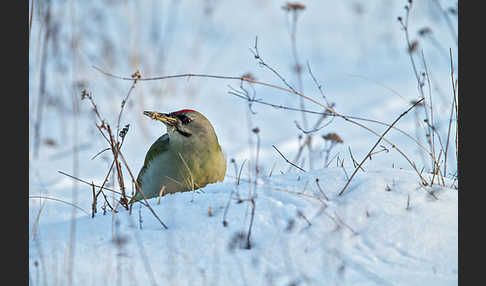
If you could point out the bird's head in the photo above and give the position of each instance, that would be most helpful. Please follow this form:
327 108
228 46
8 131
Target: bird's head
186 123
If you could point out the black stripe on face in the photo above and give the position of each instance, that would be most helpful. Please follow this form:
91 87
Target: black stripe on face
183 118
183 133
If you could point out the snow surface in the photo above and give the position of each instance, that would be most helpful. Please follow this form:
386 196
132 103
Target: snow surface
385 229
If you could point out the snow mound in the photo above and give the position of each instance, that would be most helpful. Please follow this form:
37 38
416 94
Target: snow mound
385 229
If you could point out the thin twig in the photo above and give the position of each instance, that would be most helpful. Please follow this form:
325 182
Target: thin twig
319 86
93 205
275 188
42 88
140 190
353 160
326 113
136 76
257 56
97 154
241 169
408 202
102 185
431 123
452 111
320 189
31 14
376 144
88 183
59 200
252 216
448 20
116 150
286 160
411 49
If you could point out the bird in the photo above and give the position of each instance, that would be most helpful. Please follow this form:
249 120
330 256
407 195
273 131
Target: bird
186 158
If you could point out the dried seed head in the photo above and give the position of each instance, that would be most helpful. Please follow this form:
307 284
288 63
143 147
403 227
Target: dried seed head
424 31
248 76
85 94
123 201
137 75
333 137
50 142
256 130
124 131
413 46
295 6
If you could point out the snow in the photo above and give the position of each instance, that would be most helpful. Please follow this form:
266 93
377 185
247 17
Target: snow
368 233
385 229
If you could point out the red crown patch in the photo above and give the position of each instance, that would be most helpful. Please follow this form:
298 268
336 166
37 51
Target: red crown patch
183 111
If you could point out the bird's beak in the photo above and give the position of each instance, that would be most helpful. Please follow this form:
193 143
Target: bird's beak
165 118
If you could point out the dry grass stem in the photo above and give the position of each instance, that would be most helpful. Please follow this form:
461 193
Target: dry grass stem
320 189
135 77
376 144
59 200
280 189
161 193
286 160
454 85
42 96
97 186
408 202
140 190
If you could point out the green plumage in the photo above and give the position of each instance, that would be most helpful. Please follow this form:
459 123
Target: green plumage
186 158
159 146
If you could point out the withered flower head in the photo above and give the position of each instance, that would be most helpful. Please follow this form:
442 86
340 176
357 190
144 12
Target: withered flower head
248 76
137 75
124 131
424 31
333 137
84 94
293 6
413 46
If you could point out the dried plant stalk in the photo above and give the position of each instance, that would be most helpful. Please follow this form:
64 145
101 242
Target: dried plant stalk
376 144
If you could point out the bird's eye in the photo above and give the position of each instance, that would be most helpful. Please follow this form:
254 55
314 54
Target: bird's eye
184 119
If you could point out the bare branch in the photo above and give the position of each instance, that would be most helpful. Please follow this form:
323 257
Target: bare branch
286 160
376 144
